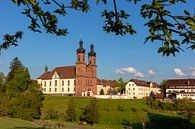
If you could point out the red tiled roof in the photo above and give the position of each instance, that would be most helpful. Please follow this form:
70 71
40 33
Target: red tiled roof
63 72
144 83
106 82
159 96
180 82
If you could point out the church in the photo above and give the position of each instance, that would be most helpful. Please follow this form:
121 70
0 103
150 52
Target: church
79 80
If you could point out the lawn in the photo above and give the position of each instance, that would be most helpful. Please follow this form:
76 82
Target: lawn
113 115
112 112
10 123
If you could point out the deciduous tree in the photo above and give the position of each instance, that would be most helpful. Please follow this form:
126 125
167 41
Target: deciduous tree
120 85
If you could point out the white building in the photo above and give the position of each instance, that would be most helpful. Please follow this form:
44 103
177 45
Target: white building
61 80
140 88
105 85
180 88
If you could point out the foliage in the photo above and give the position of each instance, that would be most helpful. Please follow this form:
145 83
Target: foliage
185 107
91 112
2 83
163 87
10 40
101 92
14 65
162 24
120 85
22 98
70 111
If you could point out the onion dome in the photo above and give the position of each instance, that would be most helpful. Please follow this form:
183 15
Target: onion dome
92 53
81 49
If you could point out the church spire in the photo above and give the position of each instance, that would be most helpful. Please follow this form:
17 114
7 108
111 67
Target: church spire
46 68
92 52
81 49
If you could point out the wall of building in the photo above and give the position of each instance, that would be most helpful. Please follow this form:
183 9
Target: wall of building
57 86
139 92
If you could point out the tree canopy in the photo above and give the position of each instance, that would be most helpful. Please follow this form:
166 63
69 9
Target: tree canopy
21 98
162 24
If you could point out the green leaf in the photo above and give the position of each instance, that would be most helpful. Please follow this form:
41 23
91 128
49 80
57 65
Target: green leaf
150 14
186 12
97 2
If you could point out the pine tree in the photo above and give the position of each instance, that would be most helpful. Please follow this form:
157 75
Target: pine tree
91 113
14 65
71 112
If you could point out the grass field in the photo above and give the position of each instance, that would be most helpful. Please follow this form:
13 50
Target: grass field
112 114
9 123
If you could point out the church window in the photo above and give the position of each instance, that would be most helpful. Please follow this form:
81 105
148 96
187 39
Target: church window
45 83
49 89
68 89
56 82
62 89
49 83
55 89
68 82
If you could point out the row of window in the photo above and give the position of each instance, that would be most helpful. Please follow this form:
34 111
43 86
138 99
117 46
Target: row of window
185 95
55 89
131 84
181 87
192 90
56 83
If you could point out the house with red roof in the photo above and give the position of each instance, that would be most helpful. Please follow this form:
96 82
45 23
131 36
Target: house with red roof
141 88
180 88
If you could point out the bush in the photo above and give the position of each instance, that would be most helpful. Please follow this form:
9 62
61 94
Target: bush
91 112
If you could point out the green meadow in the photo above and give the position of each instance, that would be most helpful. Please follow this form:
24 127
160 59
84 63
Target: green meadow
114 114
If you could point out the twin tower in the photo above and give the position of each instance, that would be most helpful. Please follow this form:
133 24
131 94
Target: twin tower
86 73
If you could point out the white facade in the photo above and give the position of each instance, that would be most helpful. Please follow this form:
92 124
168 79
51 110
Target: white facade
140 91
57 85
180 92
106 89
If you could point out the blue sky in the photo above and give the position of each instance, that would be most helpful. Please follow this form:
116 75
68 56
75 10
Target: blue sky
117 56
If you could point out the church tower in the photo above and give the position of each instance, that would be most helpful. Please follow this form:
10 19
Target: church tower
80 70
86 78
93 69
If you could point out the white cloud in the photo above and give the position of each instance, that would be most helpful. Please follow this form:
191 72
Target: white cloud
179 72
138 74
193 73
119 71
130 70
151 73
